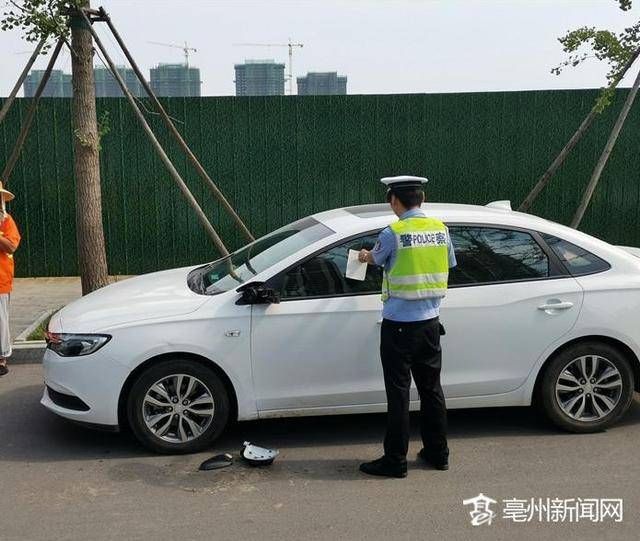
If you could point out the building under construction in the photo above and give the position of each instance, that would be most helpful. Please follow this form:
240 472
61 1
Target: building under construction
58 85
175 80
107 87
259 78
322 83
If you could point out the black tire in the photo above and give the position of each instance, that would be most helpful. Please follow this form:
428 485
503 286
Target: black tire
549 400
156 373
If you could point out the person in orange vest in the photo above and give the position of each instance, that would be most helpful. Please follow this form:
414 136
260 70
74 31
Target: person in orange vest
9 241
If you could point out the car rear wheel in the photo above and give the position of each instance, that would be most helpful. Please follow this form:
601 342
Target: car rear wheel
587 387
178 406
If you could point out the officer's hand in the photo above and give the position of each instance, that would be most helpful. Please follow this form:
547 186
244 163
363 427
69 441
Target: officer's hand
363 256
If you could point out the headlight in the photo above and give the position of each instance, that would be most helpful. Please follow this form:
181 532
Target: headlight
75 345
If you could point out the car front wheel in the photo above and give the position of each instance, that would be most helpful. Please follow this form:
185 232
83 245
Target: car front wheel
587 387
178 406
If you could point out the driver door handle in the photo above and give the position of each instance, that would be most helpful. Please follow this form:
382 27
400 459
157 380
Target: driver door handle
560 305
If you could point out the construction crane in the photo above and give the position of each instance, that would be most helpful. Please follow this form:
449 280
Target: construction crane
185 49
291 45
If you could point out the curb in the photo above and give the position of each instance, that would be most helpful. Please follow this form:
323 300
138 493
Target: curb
27 352
30 351
24 335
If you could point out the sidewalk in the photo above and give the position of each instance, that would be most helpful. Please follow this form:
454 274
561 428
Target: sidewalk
32 297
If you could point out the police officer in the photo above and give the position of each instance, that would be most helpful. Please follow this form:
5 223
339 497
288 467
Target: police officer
416 253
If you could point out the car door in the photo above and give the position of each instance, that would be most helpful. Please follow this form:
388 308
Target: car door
319 346
509 299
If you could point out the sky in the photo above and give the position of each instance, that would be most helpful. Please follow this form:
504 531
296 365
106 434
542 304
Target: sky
382 46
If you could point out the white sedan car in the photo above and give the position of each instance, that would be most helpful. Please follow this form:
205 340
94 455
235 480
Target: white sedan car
536 313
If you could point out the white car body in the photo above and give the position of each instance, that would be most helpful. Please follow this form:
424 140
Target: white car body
321 356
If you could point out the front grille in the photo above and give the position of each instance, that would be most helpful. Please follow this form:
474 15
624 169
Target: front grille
66 401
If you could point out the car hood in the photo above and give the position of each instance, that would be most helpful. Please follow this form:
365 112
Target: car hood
149 296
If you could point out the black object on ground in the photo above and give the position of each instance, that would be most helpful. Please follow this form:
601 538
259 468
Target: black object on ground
217 462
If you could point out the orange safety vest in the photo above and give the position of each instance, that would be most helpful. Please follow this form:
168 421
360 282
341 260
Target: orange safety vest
9 231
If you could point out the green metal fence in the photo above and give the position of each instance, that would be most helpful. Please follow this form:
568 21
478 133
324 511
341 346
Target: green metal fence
280 158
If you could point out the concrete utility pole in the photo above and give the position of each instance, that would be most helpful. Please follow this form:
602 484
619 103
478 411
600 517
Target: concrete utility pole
92 257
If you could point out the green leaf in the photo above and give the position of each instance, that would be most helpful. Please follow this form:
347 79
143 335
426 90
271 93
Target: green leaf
614 49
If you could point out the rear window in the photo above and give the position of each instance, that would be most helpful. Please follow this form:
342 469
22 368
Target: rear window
488 255
577 260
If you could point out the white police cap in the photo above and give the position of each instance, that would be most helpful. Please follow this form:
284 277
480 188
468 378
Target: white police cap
403 181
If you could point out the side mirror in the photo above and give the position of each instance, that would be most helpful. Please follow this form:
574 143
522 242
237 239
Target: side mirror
256 293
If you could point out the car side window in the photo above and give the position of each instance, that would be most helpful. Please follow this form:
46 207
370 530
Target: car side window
324 274
489 255
577 260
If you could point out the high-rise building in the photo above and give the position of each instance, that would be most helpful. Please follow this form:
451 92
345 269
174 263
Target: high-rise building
175 80
322 83
58 85
259 78
107 87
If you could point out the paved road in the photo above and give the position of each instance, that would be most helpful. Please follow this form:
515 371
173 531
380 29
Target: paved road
59 481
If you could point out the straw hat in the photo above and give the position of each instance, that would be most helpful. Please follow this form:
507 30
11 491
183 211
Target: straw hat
6 194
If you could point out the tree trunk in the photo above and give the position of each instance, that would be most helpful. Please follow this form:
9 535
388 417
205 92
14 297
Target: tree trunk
92 257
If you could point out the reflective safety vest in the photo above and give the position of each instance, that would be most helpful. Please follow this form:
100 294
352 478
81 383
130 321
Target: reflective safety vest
421 268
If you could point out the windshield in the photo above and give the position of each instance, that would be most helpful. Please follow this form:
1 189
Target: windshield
241 266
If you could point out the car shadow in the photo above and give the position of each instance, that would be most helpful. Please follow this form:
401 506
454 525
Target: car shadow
32 434
369 428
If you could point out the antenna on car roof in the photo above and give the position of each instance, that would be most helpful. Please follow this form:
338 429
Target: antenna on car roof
505 204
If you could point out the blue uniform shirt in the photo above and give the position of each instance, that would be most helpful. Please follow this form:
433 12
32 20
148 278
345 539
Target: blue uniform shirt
384 254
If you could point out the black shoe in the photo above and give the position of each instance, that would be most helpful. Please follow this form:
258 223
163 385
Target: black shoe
384 468
3 369
439 463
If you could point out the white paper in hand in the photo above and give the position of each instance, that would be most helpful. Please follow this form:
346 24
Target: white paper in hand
355 269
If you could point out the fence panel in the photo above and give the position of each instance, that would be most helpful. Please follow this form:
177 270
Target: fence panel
280 158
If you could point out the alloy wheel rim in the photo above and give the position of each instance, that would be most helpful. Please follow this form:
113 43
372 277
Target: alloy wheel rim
178 408
588 388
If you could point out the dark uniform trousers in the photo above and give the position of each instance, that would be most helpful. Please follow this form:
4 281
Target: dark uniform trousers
413 349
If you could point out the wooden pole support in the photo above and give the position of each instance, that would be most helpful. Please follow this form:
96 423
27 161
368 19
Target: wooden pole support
156 145
26 125
14 91
575 138
176 134
602 161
